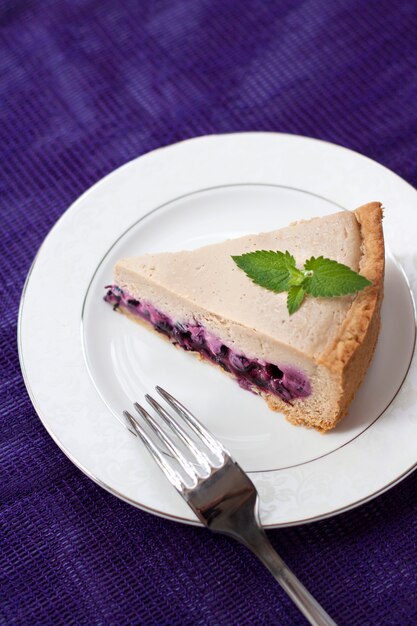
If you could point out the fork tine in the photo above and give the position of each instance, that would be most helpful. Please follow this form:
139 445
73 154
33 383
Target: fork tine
181 434
177 454
212 444
172 475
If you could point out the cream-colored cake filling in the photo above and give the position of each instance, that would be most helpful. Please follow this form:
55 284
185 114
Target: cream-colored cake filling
207 285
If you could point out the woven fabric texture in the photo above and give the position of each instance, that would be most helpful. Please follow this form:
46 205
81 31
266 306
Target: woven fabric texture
86 85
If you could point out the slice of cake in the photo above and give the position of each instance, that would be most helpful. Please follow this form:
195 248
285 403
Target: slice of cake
307 365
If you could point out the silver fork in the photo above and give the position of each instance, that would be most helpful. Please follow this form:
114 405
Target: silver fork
218 491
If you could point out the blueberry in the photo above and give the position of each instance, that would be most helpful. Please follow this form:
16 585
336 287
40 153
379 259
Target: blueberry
133 302
178 332
186 342
223 351
297 383
116 300
273 371
220 362
197 334
245 384
163 326
186 345
260 376
240 363
277 387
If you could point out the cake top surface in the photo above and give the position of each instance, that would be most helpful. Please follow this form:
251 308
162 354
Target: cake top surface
208 278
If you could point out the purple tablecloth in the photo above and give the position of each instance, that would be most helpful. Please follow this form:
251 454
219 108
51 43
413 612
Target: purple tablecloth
87 85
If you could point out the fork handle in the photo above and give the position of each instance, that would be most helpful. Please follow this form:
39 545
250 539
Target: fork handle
259 544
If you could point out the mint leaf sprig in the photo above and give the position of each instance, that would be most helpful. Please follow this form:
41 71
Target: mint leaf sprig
320 277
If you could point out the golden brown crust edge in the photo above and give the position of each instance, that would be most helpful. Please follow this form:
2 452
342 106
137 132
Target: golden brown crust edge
352 351
355 327
349 356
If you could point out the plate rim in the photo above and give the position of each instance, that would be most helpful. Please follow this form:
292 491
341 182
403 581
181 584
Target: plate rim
43 419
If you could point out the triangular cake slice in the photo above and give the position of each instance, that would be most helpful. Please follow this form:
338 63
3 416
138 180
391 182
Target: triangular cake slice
308 365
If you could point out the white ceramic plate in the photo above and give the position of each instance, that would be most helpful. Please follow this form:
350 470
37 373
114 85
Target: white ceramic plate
83 364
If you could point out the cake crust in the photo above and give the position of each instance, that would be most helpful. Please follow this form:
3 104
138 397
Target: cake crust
351 352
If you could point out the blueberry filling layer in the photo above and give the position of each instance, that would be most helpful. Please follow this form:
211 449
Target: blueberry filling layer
286 382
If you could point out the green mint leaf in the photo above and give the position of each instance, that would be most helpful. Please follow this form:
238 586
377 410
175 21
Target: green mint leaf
295 297
275 271
326 278
321 277
296 276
